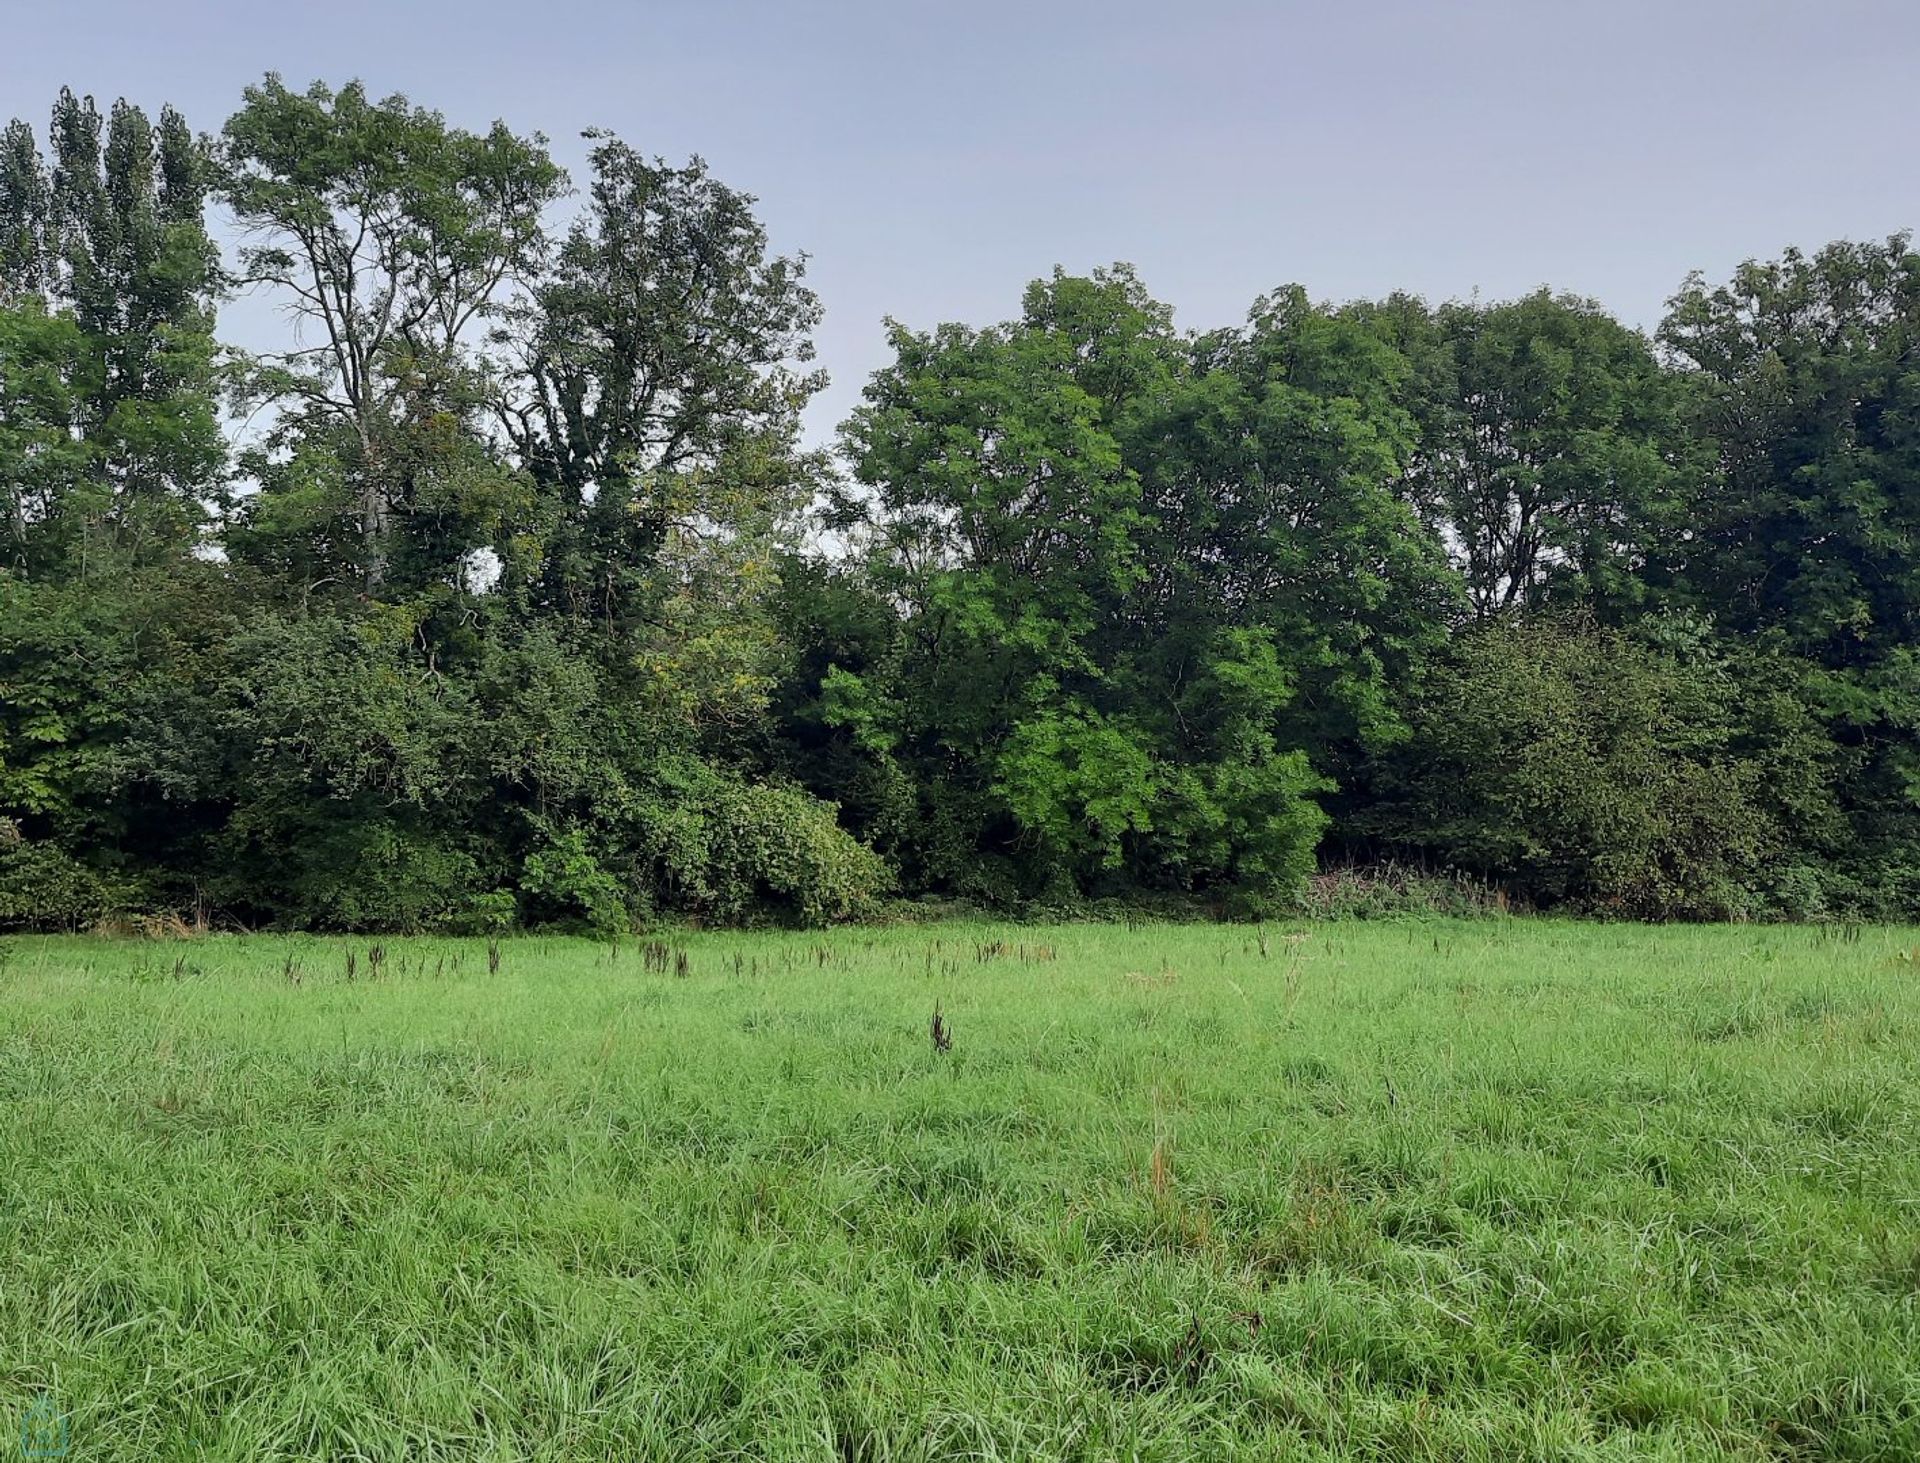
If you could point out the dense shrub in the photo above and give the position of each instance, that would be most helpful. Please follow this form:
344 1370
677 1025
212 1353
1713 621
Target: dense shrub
359 871
564 881
1586 766
729 848
42 887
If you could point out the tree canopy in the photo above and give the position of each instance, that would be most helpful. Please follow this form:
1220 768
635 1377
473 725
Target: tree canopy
504 588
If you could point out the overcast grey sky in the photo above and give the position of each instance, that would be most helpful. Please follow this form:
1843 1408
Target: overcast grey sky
933 158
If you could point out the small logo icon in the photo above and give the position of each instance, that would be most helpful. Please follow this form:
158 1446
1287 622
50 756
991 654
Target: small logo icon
43 1430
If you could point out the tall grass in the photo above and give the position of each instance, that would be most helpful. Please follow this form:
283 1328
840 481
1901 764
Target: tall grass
1475 1190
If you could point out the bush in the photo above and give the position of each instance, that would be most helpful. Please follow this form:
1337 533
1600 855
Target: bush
1580 766
717 845
359 872
563 880
42 887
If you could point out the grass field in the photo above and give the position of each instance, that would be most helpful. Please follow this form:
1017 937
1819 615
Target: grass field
1425 1190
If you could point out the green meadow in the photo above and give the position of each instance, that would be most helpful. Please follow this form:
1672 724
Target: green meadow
1502 1189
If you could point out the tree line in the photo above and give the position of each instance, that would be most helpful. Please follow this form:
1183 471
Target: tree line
505 591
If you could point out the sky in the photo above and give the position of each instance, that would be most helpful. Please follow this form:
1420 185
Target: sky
931 159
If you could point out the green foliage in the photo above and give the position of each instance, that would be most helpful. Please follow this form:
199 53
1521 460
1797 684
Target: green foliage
346 868
1549 444
1800 375
654 388
1800 378
44 458
727 848
1580 764
50 705
1078 783
44 887
110 449
1146 579
563 876
517 596
393 236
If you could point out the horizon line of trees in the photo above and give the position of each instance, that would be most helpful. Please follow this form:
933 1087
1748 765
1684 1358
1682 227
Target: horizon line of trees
524 603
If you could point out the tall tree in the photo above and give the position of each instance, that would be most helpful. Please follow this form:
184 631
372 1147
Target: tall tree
1548 456
110 239
1274 474
24 206
1006 525
658 372
1803 381
110 464
1149 582
392 237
